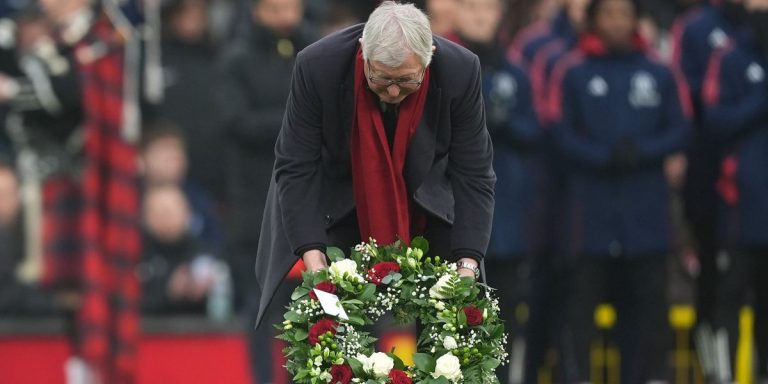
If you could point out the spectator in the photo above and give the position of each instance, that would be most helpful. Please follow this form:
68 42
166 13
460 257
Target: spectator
516 137
735 98
254 78
618 114
164 161
442 16
175 271
704 28
566 25
188 67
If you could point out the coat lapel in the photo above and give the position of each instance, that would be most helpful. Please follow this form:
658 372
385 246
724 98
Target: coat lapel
347 106
421 151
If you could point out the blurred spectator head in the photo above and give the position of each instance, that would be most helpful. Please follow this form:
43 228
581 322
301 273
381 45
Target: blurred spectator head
343 13
479 20
60 11
186 20
165 213
614 21
577 12
282 17
32 28
545 10
10 196
442 15
163 155
756 5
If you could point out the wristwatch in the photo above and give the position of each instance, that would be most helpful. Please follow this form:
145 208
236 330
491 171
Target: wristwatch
471 267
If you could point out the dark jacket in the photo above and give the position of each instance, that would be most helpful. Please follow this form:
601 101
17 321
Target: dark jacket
187 68
254 82
516 152
617 116
448 169
736 96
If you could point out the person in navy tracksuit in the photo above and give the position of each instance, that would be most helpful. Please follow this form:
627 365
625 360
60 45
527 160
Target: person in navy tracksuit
530 40
511 121
735 96
617 115
695 34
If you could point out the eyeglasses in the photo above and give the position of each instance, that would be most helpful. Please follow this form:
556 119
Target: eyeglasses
408 84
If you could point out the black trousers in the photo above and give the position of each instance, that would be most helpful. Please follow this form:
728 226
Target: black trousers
637 289
743 276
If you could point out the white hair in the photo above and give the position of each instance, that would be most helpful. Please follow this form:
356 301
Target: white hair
395 30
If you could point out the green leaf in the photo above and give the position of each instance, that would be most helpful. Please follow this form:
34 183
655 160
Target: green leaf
424 362
368 292
299 292
357 366
387 279
462 317
357 320
420 243
490 364
398 362
292 316
335 254
300 334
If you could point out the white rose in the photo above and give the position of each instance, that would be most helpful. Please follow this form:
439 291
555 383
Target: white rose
440 306
365 361
448 365
338 268
381 364
436 290
450 343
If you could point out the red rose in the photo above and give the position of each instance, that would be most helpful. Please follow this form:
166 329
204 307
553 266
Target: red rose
325 286
399 377
474 315
379 271
320 328
341 374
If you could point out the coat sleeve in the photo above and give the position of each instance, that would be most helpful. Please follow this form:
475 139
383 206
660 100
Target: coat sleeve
298 171
470 170
730 113
572 144
675 132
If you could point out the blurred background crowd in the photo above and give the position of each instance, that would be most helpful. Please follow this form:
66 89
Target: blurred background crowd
631 148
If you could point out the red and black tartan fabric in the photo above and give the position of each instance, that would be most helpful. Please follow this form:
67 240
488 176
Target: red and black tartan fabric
62 199
108 318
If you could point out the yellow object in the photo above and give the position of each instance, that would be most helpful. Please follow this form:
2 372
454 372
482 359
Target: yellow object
745 347
605 316
521 313
682 317
404 345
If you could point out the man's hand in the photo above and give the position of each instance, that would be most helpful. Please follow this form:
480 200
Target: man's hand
314 260
466 272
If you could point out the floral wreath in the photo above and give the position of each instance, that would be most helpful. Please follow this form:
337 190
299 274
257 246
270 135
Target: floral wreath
462 341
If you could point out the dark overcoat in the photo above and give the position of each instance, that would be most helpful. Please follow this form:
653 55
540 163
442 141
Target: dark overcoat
448 168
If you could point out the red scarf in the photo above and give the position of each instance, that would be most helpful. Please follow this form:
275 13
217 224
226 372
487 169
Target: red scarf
383 205
108 318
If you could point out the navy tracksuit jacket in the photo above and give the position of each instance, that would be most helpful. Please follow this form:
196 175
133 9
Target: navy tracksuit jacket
616 117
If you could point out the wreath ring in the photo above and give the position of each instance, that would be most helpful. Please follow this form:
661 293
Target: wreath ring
462 338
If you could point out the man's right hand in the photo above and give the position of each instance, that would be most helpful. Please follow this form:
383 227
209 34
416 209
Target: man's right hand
314 260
